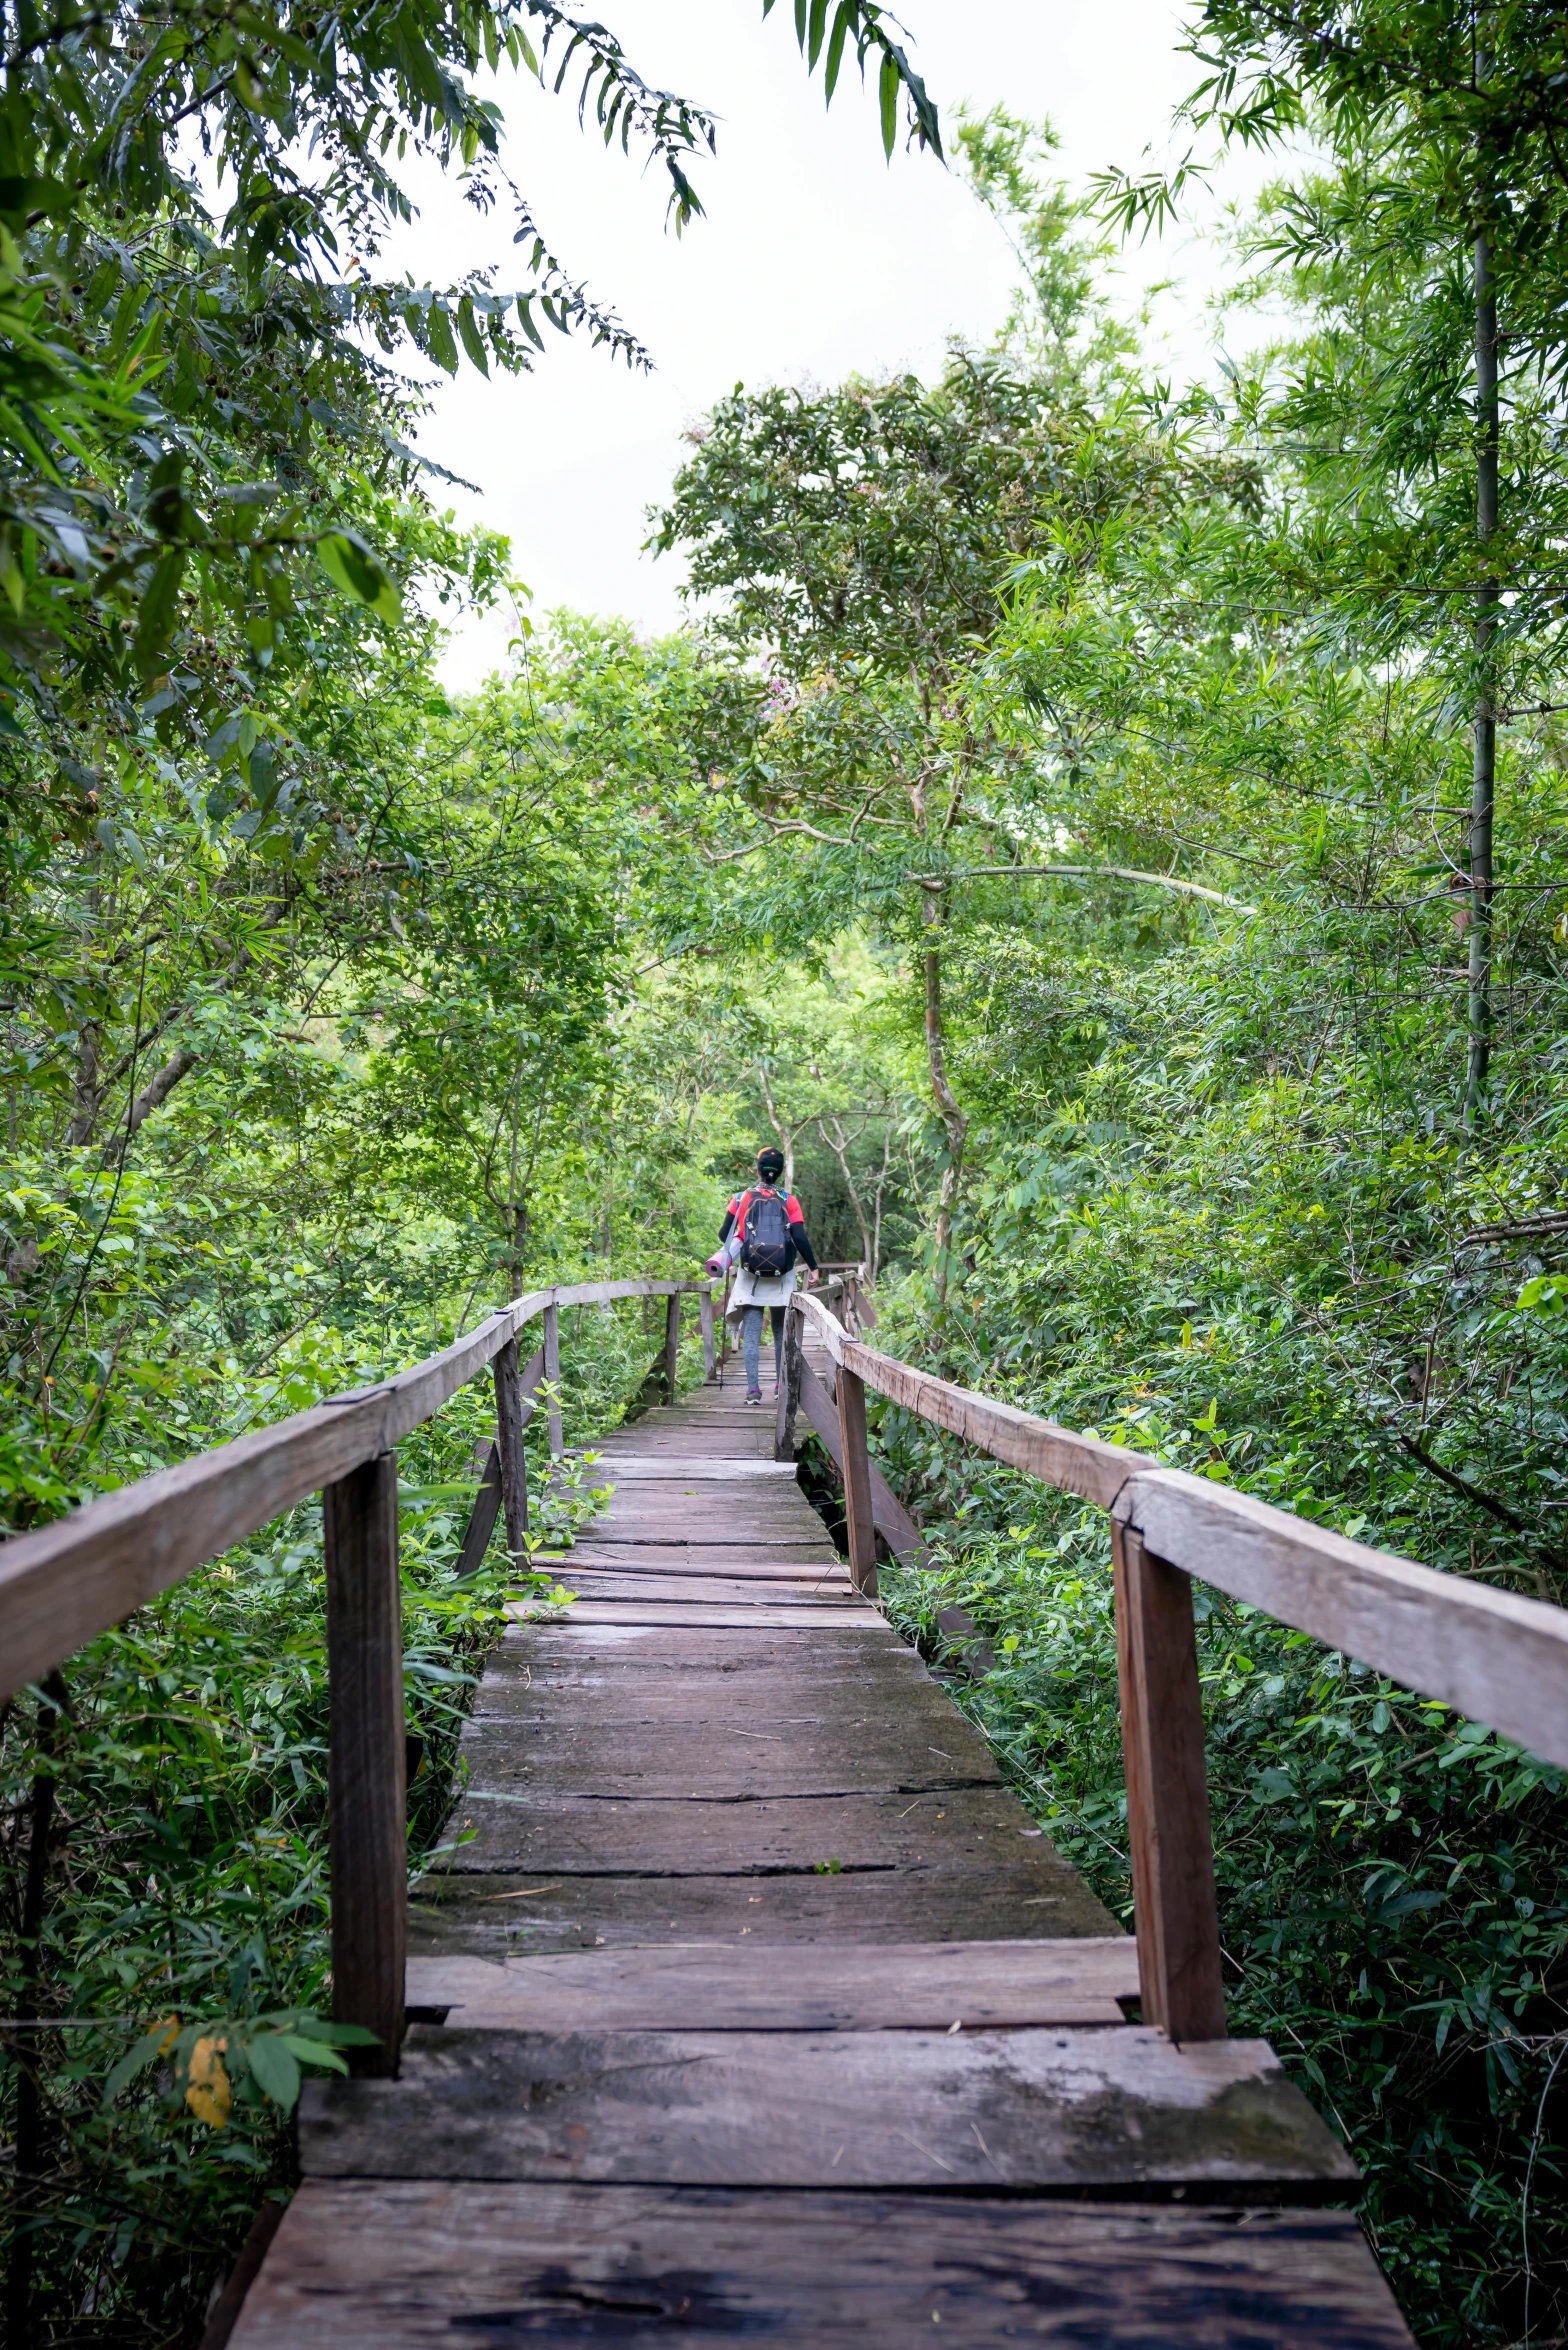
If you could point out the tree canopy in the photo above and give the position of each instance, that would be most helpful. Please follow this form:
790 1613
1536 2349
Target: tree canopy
1111 833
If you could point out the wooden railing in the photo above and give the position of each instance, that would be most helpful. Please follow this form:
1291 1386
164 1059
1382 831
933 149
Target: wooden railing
1501 1659
63 1585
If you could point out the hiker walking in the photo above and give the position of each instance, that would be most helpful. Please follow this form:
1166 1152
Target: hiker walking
763 1232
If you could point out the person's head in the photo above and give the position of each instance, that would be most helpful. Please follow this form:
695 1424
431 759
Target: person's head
770 1164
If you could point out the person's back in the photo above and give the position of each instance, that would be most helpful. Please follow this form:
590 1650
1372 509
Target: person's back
764 1231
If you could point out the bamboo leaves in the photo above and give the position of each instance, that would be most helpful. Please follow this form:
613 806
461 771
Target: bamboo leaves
209 2067
871 28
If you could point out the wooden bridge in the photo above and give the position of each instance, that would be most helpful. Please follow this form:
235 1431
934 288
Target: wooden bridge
754 2004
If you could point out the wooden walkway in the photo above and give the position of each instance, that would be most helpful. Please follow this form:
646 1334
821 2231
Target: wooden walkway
756 2007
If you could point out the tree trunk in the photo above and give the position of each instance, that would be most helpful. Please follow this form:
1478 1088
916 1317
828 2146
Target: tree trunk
518 1250
838 1145
876 1225
948 1110
85 1094
784 1133
1483 788
153 1096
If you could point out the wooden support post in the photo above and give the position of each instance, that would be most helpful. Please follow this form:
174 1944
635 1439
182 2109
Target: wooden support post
367 1792
486 1509
857 1483
1174 1906
509 1444
672 1344
789 1387
710 1363
552 1375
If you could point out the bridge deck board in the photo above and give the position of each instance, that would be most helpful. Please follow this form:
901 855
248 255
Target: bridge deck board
765 1845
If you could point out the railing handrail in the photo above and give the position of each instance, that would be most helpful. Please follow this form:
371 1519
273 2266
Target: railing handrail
1492 1655
64 1583
1501 1659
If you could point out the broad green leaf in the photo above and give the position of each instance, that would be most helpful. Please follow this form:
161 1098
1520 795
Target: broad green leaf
443 348
275 2068
473 341
843 25
347 560
159 604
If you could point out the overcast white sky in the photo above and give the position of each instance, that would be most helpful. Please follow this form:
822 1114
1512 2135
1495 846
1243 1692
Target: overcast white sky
815 259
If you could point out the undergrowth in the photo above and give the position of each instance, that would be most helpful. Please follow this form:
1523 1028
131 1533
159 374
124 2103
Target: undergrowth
174 1781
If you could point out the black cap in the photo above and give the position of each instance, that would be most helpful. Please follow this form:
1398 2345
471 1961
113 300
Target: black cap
770 1163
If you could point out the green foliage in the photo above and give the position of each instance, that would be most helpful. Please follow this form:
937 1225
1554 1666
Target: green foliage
1393 1902
185 1930
1054 836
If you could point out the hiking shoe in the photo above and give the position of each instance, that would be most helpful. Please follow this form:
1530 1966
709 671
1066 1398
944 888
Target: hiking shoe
754 1395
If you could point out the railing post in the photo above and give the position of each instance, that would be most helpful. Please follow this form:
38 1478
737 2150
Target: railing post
789 1387
509 1425
857 1483
367 1794
672 1343
705 1324
552 1375
1174 1907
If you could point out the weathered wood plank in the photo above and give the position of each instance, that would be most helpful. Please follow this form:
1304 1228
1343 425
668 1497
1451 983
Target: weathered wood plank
892 1521
578 1695
366 1788
551 1351
1064 2110
716 1759
566 1646
1167 1795
967 1829
1501 1659
766 1987
699 1561
628 1468
787 1536
395 2265
740 1499
719 1503
63 1585
483 1515
712 1616
510 1422
789 1391
711 1551
66 1583
855 1470
545 1908
1080 1464
805 1589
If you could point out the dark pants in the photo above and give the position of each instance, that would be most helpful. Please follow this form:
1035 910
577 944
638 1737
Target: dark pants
751 1341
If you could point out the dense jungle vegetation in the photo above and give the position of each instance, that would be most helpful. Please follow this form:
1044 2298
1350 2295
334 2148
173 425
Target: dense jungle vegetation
1114 834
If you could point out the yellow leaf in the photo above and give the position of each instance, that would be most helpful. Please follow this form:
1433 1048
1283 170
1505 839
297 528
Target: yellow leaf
209 2096
171 2032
